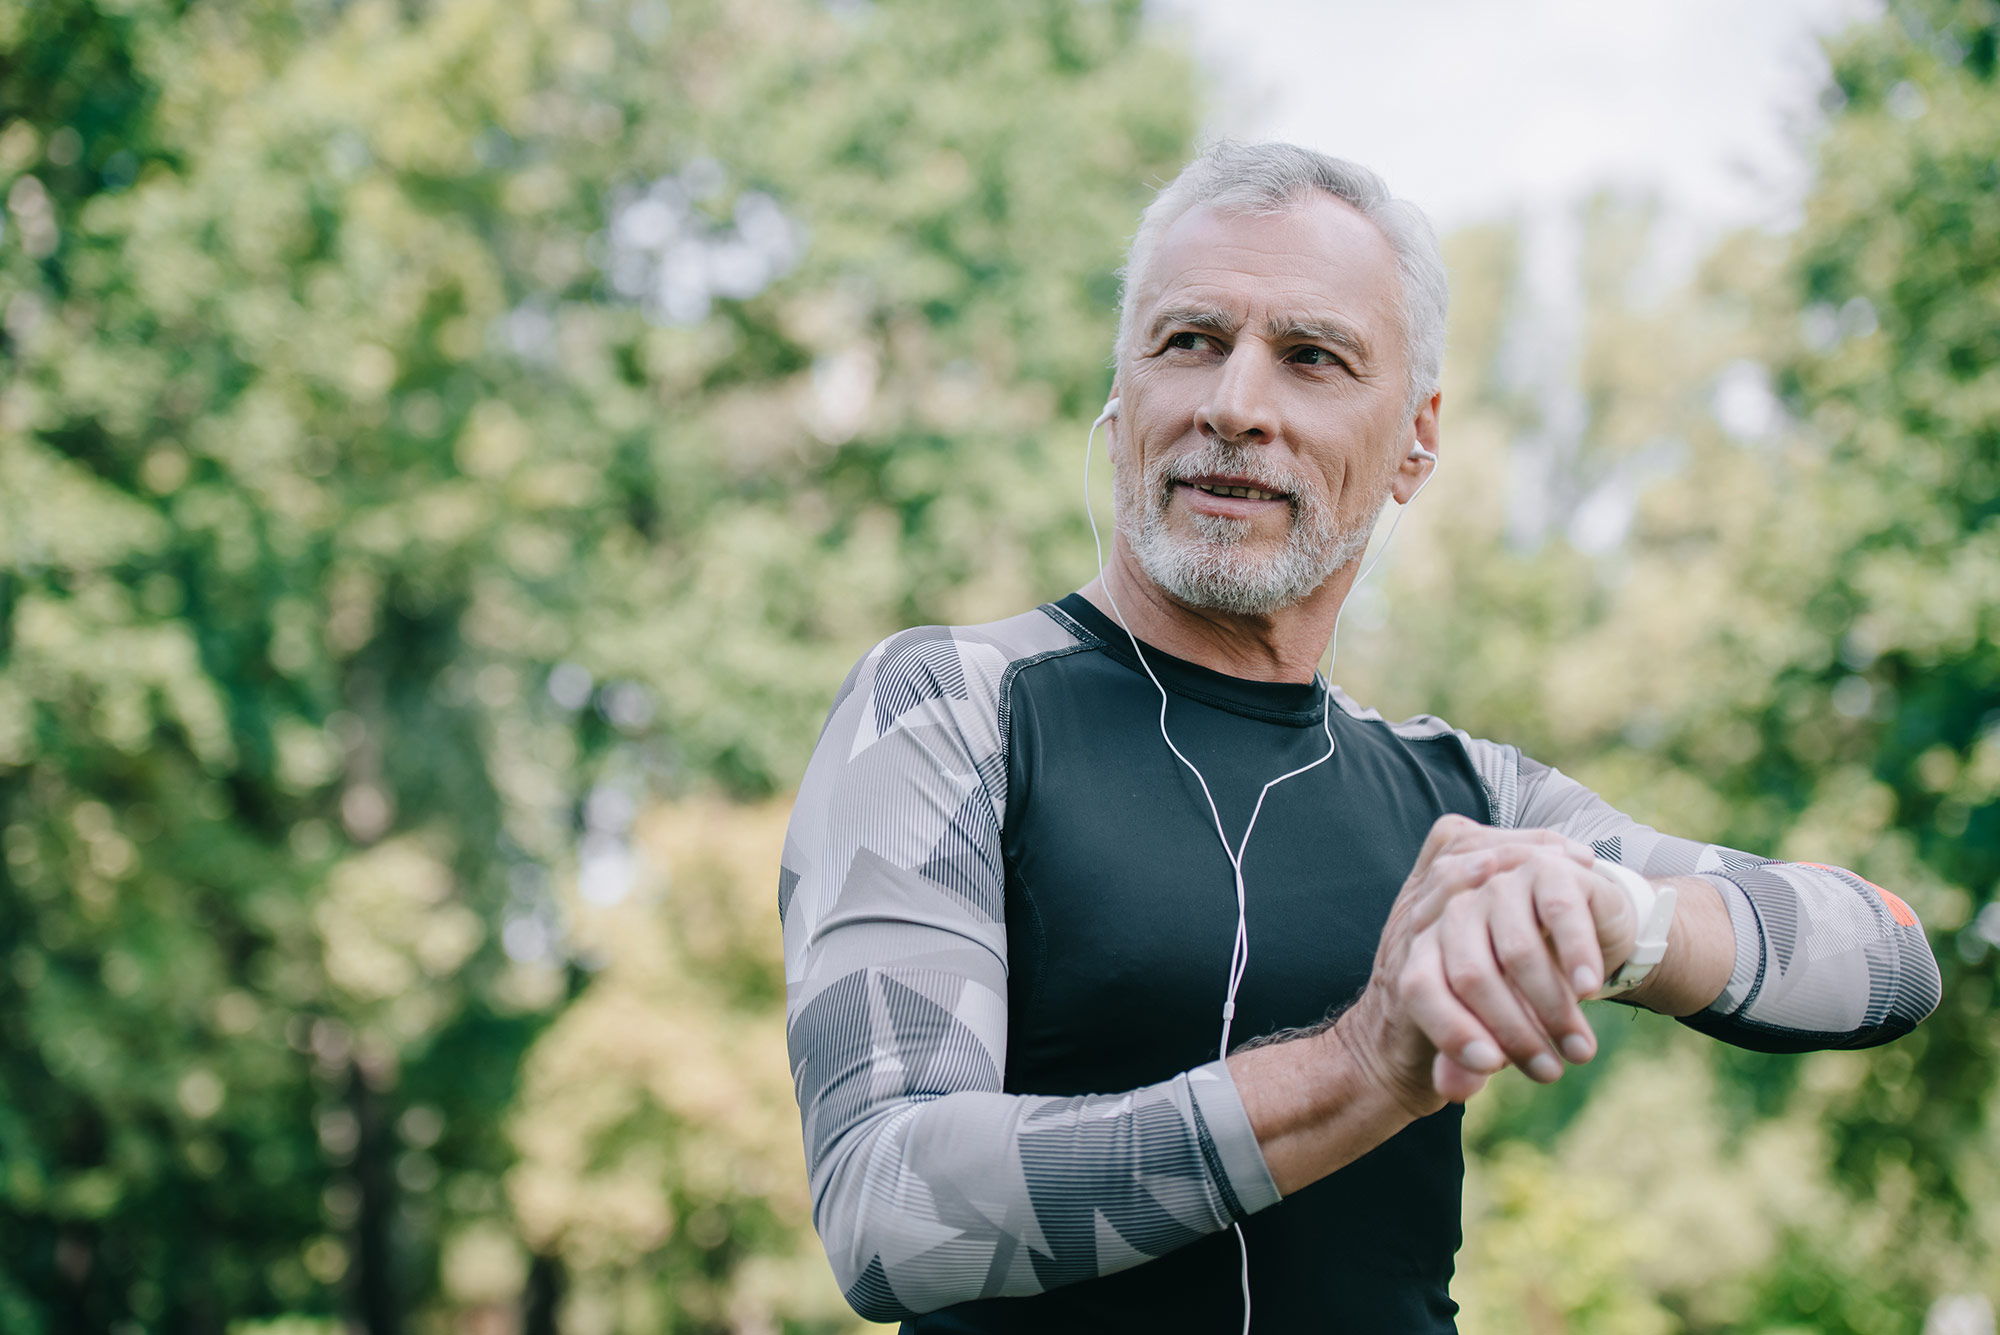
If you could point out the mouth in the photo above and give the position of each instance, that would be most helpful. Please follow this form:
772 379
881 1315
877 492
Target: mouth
1223 495
1247 493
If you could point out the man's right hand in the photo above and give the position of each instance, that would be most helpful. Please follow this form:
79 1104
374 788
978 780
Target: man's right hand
1495 936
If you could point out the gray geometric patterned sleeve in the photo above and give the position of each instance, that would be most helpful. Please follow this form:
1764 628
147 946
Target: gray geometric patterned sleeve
1824 959
929 1185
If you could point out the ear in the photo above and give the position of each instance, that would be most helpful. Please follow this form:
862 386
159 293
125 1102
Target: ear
1114 435
1413 469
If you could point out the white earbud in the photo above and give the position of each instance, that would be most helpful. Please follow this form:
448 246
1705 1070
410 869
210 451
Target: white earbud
1110 411
1417 451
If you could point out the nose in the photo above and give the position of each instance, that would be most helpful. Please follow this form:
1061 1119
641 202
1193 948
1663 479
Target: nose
1239 408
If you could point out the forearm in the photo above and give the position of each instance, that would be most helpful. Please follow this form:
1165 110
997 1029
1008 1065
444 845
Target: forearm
923 1204
1320 1102
1849 965
1824 959
1821 957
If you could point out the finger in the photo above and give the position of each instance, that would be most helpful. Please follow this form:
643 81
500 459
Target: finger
1567 914
1490 836
1613 922
1453 833
1473 839
1453 1081
1525 954
1453 874
1473 972
1456 872
1443 831
1428 1002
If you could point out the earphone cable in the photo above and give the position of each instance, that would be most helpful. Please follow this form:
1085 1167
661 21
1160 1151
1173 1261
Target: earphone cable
1239 953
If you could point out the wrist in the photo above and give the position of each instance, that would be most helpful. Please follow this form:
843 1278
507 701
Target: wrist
1366 1045
1318 1103
1701 951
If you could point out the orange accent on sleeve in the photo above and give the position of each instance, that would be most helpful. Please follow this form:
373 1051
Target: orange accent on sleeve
1898 910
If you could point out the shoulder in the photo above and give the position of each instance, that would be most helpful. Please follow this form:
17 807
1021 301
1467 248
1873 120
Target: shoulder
960 661
1416 728
952 675
1496 765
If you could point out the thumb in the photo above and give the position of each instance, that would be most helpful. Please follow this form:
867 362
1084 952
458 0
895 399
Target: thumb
1453 1081
1616 919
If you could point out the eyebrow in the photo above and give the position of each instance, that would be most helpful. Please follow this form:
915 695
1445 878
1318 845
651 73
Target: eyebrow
1207 319
1293 329
1280 328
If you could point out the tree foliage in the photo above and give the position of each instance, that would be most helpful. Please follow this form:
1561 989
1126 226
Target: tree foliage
432 434
426 429
1786 646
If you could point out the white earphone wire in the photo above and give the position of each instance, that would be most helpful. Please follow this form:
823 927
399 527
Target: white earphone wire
1239 954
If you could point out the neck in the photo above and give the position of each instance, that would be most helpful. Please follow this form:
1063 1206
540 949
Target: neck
1285 645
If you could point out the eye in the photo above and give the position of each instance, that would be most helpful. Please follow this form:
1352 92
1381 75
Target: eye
1189 341
1314 355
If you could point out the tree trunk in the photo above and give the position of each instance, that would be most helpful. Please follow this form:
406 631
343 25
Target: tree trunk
374 1279
544 1296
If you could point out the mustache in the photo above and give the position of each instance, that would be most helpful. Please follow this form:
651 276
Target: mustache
1256 468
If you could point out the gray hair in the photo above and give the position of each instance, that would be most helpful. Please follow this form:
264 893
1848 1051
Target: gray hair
1270 178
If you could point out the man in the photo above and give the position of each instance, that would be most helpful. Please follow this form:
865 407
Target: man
1028 857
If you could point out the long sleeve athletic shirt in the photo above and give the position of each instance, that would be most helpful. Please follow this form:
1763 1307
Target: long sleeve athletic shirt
1008 924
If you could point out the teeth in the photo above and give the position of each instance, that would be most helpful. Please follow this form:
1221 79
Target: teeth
1248 493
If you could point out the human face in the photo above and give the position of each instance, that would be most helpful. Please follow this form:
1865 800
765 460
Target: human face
1267 361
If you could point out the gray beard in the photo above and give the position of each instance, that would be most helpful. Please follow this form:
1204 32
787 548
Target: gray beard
1215 569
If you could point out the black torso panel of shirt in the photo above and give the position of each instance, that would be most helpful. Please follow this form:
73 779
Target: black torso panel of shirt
1121 913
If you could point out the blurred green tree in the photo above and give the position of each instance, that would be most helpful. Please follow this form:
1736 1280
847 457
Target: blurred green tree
1896 364
424 428
1745 585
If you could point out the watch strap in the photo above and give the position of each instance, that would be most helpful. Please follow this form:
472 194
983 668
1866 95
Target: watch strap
1652 912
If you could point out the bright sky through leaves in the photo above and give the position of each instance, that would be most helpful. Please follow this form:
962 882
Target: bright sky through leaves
1475 109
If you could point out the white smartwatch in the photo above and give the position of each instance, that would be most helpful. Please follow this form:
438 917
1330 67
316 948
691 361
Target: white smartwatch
1653 911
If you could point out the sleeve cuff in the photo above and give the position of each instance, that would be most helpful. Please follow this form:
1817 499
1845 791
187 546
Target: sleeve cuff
1227 1141
1746 975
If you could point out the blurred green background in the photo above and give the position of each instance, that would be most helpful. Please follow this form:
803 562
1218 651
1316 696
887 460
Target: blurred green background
450 452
